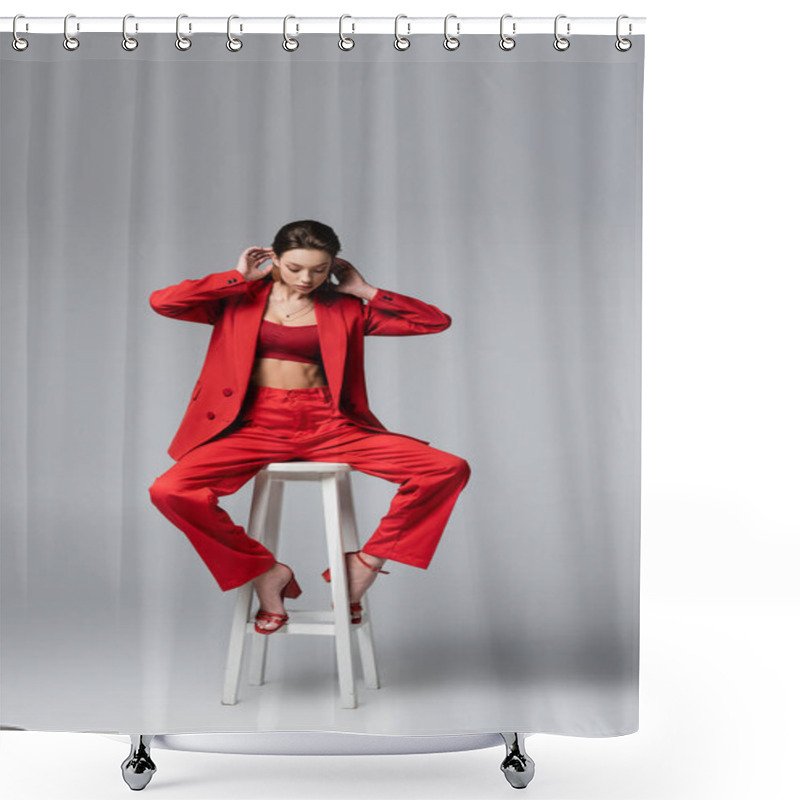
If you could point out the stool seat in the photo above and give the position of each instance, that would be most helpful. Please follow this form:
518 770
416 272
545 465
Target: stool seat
341 536
303 468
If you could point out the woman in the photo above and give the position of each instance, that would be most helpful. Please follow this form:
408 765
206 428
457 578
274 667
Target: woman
283 379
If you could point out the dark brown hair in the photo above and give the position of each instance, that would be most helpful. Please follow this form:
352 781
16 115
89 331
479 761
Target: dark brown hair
307 234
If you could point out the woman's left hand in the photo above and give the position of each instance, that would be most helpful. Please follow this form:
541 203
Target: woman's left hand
350 279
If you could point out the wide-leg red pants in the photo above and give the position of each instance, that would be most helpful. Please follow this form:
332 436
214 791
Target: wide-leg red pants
304 424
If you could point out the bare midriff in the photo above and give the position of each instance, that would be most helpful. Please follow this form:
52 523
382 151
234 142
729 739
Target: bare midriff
280 373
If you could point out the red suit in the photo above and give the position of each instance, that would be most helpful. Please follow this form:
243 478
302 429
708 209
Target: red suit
332 423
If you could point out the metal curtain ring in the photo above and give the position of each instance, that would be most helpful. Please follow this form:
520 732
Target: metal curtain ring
289 43
18 43
181 41
70 42
401 43
560 42
233 44
623 45
344 42
451 42
128 42
507 42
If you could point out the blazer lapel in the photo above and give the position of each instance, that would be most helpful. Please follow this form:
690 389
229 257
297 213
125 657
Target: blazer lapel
246 324
332 341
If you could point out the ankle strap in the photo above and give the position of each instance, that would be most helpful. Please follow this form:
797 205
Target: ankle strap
374 569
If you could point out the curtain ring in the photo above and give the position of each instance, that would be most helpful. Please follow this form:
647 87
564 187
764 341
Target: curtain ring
289 43
182 42
70 42
507 42
623 45
560 42
18 43
128 42
400 42
344 42
451 42
233 44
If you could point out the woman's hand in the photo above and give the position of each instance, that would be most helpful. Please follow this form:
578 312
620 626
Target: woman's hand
350 279
250 260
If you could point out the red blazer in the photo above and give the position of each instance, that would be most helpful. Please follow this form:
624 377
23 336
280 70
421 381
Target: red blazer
235 307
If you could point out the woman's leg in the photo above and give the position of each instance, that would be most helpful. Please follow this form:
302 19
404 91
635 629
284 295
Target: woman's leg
430 482
187 494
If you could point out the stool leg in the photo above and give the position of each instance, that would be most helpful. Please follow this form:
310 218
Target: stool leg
350 540
266 528
367 650
339 590
233 666
244 597
269 525
348 520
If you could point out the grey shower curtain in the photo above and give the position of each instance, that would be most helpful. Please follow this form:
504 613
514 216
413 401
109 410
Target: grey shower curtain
504 188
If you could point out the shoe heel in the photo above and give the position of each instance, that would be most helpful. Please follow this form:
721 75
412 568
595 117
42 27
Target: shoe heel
292 589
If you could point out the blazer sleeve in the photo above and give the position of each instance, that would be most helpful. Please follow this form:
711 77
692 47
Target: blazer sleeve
394 314
201 299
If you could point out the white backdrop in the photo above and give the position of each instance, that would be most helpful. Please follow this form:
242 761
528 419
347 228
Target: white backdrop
720 437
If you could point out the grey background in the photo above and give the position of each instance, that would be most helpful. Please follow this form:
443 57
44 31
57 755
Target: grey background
504 188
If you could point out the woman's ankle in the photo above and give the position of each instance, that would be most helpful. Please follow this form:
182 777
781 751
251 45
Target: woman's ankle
372 561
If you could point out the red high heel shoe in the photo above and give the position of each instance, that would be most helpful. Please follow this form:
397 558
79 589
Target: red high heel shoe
355 608
291 589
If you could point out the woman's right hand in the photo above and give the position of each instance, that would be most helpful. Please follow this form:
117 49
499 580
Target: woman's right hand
250 260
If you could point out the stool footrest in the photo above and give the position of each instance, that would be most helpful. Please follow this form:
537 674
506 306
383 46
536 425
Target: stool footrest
316 617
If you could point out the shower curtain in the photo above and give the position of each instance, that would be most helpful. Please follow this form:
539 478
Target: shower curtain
503 189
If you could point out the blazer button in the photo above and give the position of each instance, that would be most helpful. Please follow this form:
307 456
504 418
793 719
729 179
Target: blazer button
227 392
211 415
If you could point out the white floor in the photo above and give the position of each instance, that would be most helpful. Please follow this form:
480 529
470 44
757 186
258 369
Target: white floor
719 704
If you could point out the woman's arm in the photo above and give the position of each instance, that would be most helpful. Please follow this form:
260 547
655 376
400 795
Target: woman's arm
388 313
198 300
202 299
393 314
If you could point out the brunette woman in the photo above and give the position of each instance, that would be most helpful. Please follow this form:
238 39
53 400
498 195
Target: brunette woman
283 379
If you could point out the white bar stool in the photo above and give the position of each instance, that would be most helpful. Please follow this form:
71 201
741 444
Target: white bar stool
342 537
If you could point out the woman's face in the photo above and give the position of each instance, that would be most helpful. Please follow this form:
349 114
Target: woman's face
302 269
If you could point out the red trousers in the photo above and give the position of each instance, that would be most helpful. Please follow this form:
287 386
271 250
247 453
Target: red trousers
304 425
